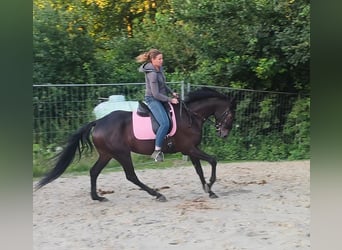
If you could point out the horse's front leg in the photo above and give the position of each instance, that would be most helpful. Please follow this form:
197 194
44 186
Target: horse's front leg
195 158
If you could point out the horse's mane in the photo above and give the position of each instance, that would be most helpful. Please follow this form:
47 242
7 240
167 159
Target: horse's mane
203 93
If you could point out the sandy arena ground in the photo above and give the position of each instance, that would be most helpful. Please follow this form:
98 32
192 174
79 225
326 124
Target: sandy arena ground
261 206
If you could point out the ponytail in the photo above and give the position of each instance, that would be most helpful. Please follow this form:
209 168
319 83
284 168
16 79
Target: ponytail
147 56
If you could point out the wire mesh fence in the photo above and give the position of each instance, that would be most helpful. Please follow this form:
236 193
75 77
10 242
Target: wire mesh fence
59 110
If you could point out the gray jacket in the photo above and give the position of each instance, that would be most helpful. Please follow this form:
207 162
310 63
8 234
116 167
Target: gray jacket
155 83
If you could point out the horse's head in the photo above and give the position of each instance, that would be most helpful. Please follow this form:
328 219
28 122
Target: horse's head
224 118
206 102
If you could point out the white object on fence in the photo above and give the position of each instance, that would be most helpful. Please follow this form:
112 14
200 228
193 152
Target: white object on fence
115 102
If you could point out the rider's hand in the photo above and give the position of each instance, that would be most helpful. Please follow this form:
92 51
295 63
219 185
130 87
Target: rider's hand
175 94
174 100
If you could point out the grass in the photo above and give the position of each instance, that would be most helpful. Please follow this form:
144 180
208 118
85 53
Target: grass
140 162
83 166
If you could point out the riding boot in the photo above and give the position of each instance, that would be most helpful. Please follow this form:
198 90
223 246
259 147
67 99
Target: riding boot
157 155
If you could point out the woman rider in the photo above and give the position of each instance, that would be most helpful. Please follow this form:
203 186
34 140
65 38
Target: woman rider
156 93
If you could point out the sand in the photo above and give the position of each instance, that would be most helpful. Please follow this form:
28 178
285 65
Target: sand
261 205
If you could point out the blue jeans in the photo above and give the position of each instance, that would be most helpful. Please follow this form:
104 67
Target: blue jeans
162 118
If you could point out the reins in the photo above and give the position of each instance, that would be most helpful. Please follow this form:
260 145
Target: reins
190 112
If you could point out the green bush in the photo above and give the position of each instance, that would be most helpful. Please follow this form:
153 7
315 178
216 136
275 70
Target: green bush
297 128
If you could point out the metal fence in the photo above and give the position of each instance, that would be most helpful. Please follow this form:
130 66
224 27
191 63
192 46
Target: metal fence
59 110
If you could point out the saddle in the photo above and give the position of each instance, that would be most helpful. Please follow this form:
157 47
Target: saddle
145 124
144 111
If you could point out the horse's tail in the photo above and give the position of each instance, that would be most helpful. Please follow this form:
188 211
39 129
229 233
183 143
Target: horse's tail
79 141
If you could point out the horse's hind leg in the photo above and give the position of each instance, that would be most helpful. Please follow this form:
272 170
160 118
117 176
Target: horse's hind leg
94 173
127 164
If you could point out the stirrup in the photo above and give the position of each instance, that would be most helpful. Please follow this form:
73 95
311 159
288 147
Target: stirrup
157 156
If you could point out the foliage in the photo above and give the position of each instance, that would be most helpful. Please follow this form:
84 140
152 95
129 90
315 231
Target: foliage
259 44
63 51
297 128
263 43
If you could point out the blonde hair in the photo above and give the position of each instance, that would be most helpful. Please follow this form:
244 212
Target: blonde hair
148 56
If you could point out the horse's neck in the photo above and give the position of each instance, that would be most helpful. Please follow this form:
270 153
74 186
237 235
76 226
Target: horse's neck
203 108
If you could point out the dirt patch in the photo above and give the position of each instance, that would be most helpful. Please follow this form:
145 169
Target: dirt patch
261 205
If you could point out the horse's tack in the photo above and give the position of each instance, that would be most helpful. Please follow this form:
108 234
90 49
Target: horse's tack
142 125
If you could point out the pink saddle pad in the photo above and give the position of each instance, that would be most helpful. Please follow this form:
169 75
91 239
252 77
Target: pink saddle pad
142 126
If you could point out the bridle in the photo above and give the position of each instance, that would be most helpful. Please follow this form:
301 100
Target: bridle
218 121
222 118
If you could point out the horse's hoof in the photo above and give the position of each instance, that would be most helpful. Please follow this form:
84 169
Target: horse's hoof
102 199
161 198
213 195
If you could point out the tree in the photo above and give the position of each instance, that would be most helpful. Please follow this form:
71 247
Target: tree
117 18
63 50
252 44
259 44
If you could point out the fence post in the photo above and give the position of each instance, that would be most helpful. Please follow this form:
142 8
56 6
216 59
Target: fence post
182 90
184 157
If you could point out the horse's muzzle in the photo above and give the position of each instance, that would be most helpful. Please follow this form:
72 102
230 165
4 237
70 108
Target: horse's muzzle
223 133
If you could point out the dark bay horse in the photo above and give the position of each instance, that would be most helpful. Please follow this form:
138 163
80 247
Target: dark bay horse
112 136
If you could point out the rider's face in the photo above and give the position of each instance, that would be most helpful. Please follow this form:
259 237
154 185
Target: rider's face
157 61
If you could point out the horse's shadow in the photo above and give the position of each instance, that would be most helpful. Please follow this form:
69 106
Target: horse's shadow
234 192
